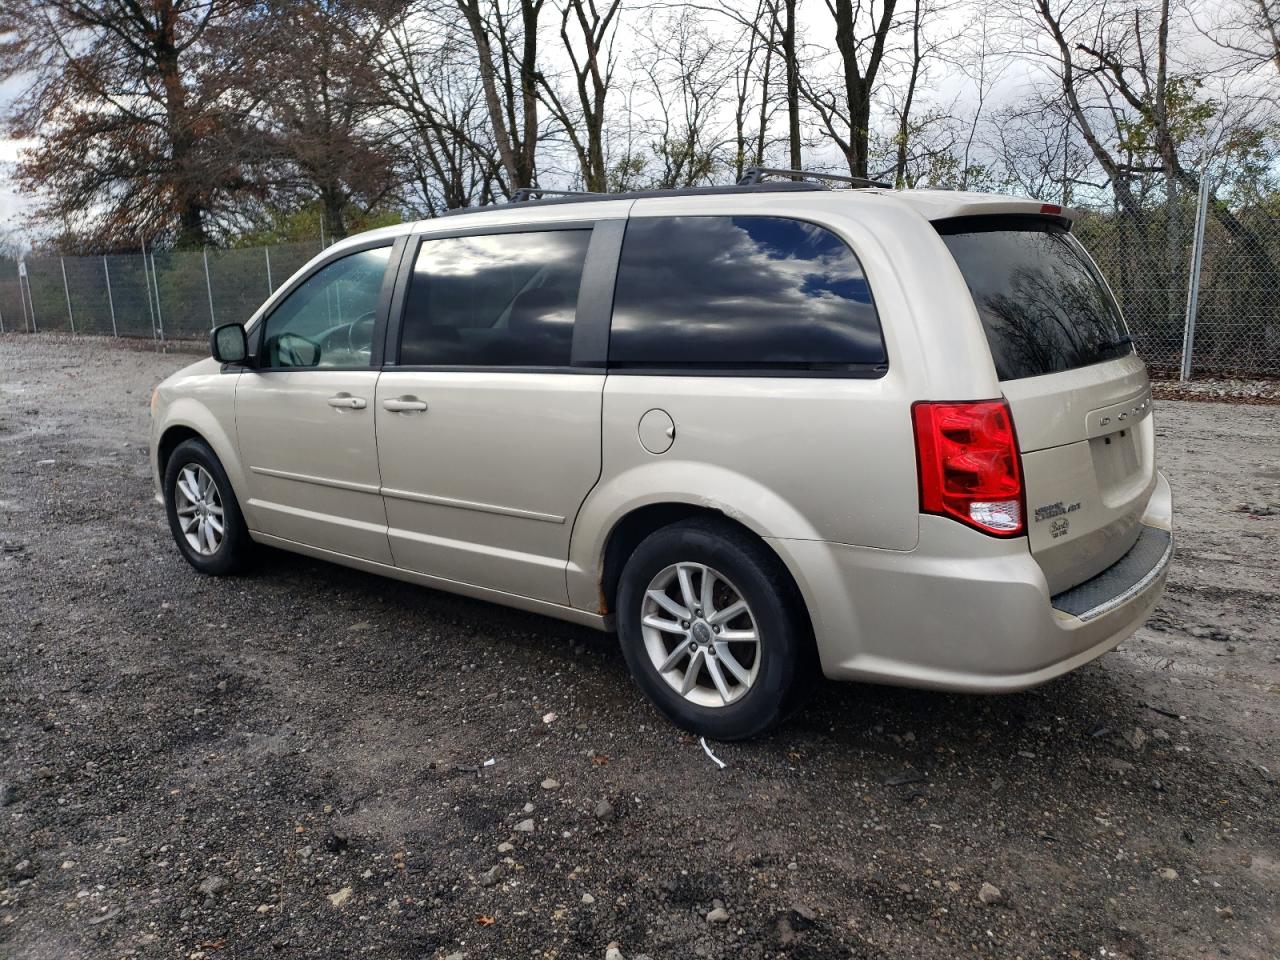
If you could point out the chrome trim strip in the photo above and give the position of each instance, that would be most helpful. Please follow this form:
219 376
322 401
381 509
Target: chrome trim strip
471 505
1121 599
318 481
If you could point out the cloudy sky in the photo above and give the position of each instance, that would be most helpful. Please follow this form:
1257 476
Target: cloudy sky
11 203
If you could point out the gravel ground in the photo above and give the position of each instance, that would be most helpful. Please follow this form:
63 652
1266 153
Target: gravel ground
1219 389
312 762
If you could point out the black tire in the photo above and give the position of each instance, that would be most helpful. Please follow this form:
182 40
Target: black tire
788 663
232 553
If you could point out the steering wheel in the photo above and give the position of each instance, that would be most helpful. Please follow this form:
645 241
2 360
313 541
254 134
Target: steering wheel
370 320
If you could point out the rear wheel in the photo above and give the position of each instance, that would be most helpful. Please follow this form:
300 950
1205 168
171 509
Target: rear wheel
712 629
204 517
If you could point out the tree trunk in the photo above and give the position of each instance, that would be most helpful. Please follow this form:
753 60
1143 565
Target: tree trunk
761 135
181 141
904 127
859 84
333 203
793 83
493 103
859 94
526 169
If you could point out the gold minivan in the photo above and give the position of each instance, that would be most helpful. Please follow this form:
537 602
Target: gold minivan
761 431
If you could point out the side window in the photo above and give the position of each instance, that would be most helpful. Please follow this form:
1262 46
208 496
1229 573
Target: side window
741 292
503 300
329 320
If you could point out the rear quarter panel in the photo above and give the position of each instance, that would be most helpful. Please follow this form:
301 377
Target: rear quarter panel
798 458
802 458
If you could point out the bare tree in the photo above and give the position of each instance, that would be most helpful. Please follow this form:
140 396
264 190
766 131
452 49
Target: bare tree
861 43
1039 152
791 64
984 64
687 73
506 48
1061 26
433 101
586 31
754 73
1247 29
904 114
1155 111
772 25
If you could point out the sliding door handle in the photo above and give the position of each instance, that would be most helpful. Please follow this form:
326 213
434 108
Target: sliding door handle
404 405
348 402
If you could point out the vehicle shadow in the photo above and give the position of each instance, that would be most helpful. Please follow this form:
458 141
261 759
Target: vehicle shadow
1092 706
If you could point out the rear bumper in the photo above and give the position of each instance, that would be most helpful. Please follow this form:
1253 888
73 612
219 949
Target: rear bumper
967 612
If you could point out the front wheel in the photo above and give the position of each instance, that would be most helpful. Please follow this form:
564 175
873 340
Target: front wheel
713 630
204 516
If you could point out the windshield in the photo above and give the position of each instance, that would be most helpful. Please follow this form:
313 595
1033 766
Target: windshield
1041 299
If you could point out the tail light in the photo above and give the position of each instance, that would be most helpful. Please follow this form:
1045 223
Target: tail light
969 466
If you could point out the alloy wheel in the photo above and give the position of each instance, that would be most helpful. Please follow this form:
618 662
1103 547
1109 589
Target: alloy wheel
199 507
700 634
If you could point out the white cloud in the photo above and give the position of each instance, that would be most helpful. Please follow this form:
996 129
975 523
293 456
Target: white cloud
14 205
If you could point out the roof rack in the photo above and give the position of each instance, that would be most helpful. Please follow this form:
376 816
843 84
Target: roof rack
525 194
532 195
753 175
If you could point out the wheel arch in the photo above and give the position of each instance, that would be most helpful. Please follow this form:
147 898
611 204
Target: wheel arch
188 419
637 524
169 440
637 501
632 528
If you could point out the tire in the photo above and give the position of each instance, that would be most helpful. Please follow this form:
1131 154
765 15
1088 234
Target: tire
778 666
231 549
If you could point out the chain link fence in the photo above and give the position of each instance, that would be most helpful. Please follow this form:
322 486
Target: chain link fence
162 295
1149 260
1221 310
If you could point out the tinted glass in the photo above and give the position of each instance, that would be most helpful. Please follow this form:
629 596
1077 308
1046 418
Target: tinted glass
502 300
1041 299
741 292
329 320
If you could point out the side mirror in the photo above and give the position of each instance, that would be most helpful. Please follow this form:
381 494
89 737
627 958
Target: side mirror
228 343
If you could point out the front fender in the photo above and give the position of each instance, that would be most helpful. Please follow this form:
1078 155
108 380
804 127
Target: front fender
207 406
734 494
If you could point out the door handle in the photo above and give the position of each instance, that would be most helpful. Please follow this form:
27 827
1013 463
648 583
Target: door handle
347 401
404 405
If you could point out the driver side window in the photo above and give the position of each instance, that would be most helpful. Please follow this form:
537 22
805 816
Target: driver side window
329 320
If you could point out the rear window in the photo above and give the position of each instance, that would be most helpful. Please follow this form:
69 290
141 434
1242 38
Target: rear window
741 293
1041 299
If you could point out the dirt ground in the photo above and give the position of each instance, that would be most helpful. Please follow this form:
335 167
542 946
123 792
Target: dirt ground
296 763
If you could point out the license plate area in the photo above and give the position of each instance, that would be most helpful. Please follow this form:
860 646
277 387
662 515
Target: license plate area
1123 463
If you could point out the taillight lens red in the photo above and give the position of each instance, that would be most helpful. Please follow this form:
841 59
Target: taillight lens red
969 465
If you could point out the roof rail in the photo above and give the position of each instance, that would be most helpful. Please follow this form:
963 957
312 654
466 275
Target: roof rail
753 175
525 194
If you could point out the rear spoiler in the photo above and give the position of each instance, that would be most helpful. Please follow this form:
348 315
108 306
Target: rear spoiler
947 205
1046 222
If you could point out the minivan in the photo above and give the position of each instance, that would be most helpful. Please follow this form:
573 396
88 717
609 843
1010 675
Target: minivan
764 432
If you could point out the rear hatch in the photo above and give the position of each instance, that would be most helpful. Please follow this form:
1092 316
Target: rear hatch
1080 397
